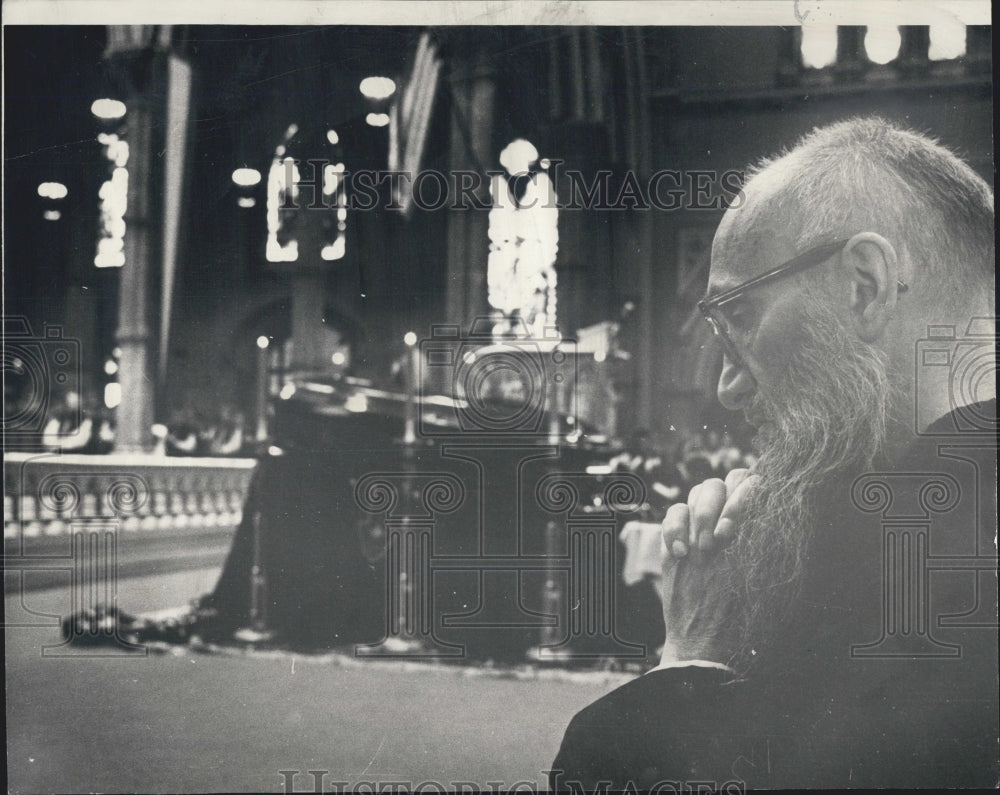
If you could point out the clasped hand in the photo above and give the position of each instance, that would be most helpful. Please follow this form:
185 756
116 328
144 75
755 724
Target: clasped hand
700 593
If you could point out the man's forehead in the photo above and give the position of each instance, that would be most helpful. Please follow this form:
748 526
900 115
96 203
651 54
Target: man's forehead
739 255
754 235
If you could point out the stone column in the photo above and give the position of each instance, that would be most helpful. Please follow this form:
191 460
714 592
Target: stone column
473 86
142 74
308 297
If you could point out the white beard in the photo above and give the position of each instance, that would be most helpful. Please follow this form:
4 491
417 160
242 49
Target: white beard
829 416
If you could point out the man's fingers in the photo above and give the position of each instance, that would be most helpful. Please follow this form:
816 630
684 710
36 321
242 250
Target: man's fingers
734 478
710 518
725 530
708 505
737 498
730 517
675 530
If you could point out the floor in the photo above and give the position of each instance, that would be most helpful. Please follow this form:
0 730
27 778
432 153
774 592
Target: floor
177 720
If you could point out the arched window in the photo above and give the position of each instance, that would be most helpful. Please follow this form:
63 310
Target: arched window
317 222
524 240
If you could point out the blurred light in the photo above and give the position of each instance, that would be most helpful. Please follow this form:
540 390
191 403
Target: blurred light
246 177
518 156
600 356
52 190
332 137
819 46
331 180
51 215
356 403
109 259
469 357
108 108
334 251
282 179
275 450
287 391
410 339
246 202
571 420
338 358
378 87
117 352
159 430
947 41
882 43
599 469
545 163
342 214
114 203
117 149
377 119
111 367
263 342
290 132
112 394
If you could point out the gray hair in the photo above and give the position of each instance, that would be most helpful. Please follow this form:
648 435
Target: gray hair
867 174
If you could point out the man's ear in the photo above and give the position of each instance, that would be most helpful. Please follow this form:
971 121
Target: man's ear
871 269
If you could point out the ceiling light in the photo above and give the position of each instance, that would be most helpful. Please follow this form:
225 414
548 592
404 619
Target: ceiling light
246 177
52 190
378 87
108 108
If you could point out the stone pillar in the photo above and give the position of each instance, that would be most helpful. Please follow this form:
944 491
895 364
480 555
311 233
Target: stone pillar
912 60
135 414
141 73
308 297
851 59
473 87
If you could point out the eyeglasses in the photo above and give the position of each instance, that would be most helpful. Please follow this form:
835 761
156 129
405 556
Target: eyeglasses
711 307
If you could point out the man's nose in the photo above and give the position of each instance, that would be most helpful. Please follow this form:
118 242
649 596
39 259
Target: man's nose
736 386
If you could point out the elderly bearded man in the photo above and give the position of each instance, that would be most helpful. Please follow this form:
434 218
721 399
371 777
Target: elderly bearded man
802 648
